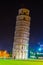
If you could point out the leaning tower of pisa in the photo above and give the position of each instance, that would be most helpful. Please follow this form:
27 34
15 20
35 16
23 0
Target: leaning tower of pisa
21 35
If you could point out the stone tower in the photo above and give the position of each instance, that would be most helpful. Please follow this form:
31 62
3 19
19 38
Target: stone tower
22 32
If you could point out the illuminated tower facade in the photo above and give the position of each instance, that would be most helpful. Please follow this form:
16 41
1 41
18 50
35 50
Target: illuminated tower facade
21 38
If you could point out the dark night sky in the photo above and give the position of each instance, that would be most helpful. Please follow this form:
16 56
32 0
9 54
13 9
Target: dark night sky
8 12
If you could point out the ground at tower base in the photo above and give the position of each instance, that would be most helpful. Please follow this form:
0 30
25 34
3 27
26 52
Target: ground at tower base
21 62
